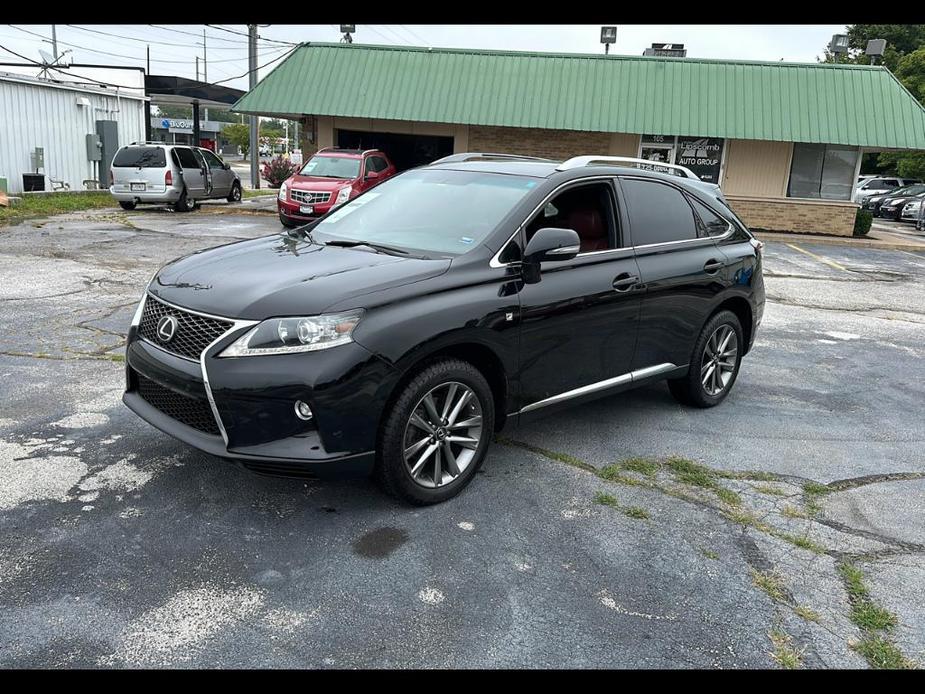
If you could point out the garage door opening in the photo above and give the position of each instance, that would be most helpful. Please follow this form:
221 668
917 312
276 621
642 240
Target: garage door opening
405 151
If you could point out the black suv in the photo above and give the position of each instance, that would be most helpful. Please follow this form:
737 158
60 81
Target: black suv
400 331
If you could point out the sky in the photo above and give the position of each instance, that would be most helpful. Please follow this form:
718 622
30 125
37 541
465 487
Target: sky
174 47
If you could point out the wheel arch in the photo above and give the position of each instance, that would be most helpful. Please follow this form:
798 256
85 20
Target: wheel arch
742 309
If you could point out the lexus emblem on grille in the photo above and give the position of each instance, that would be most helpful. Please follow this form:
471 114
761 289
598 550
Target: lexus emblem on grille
166 328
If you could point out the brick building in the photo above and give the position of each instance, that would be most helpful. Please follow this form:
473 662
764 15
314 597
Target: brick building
784 140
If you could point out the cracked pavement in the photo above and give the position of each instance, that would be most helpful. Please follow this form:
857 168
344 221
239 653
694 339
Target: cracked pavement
121 547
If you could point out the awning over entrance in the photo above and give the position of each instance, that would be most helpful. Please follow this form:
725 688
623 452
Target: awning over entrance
166 89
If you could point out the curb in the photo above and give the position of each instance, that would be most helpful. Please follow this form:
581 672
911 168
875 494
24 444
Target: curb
858 242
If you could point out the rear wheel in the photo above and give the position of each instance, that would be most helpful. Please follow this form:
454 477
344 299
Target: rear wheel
437 433
127 204
714 364
183 203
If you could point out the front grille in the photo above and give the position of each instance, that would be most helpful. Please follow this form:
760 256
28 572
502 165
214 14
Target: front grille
194 332
192 412
309 197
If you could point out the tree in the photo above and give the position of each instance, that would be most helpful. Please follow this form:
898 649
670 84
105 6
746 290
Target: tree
238 134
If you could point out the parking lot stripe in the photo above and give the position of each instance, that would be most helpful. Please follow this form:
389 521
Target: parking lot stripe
832 263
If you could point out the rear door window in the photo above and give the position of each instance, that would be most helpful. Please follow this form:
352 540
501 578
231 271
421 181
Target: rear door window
140 157
711 224
187 158
214 161
658 213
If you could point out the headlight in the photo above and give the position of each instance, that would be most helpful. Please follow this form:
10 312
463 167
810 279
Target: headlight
282 191
343 195
288 335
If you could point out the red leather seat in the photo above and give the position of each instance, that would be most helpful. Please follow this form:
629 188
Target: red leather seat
589 226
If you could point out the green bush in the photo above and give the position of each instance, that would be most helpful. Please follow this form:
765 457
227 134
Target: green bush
862 222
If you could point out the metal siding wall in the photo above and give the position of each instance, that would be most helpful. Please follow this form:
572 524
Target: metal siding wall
38 116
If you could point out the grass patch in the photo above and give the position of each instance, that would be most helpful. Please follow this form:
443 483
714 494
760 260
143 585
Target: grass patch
808 614
689 472
813 492
117 357
614 473
870 616
55 203
636 512
854 581
709 554
643 466
784 653
882 654
553 455
605 499
816 488
251 193
728 496
771 583
768 489
793 512
802 541
751 476
743 517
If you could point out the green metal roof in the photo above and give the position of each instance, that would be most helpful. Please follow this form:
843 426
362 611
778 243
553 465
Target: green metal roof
800 102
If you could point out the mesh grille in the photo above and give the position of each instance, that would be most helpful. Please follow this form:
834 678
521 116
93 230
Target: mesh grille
309 197
194 332
190 411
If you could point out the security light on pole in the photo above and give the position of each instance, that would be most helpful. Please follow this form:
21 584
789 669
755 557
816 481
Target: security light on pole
839 45
346 30
875 49
608 36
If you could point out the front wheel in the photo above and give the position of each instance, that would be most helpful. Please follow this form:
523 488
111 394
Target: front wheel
235 195
437 433
287 222
714 364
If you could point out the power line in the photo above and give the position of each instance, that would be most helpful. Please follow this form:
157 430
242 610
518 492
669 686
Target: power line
89 80
260 67
413 36
259 38
151 41
189 33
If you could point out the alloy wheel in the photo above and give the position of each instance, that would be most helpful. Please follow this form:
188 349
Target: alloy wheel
719 360
442 435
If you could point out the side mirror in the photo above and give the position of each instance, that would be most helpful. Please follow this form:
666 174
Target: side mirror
372 175
551 243
226 166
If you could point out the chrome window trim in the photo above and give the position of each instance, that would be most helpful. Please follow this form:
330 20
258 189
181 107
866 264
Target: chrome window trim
495 259
629 377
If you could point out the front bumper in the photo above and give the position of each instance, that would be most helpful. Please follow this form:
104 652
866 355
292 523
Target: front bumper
292 210
254 400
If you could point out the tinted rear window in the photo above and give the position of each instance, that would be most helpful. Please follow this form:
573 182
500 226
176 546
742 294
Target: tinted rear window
144 157
658 213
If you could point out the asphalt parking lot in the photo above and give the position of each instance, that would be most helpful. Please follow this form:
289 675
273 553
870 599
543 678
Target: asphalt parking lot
761 533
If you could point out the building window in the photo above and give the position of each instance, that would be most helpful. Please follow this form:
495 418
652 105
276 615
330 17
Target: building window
822 171
702 155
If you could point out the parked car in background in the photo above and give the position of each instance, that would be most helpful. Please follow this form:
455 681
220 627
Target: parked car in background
910 211
397 334
330 178
877 185
890 206
178 175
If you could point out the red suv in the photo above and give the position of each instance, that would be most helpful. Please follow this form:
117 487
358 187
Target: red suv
330 178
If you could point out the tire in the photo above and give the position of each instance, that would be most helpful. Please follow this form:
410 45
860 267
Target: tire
690 390
287 223
235 195
446 379
182 204
127 204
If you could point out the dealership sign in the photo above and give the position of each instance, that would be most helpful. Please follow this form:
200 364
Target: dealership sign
701 155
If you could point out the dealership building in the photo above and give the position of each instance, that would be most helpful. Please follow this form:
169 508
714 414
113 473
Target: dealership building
783 140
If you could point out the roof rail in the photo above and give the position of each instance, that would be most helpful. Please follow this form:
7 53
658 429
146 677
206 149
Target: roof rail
674 169
481 156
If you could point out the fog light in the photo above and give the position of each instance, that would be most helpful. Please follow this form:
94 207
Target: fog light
302 410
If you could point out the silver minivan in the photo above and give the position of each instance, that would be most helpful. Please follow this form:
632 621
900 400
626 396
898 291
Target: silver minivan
179 175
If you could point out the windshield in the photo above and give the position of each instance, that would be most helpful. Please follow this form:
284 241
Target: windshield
143 157
331 167
908 190
448 212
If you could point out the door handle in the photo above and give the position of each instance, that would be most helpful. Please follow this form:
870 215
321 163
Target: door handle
625 281
712 266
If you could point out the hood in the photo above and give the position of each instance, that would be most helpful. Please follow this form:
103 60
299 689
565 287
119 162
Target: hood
283 276
299 182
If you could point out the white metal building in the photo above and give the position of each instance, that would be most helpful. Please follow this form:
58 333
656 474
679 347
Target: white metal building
58 114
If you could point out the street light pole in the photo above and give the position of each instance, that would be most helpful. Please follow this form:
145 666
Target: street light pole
252 82
205 59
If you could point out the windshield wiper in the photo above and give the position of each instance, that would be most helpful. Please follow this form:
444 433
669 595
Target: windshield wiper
375 246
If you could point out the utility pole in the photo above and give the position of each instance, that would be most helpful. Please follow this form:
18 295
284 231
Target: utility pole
149 58
252 82
205 59
54 42
197 68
